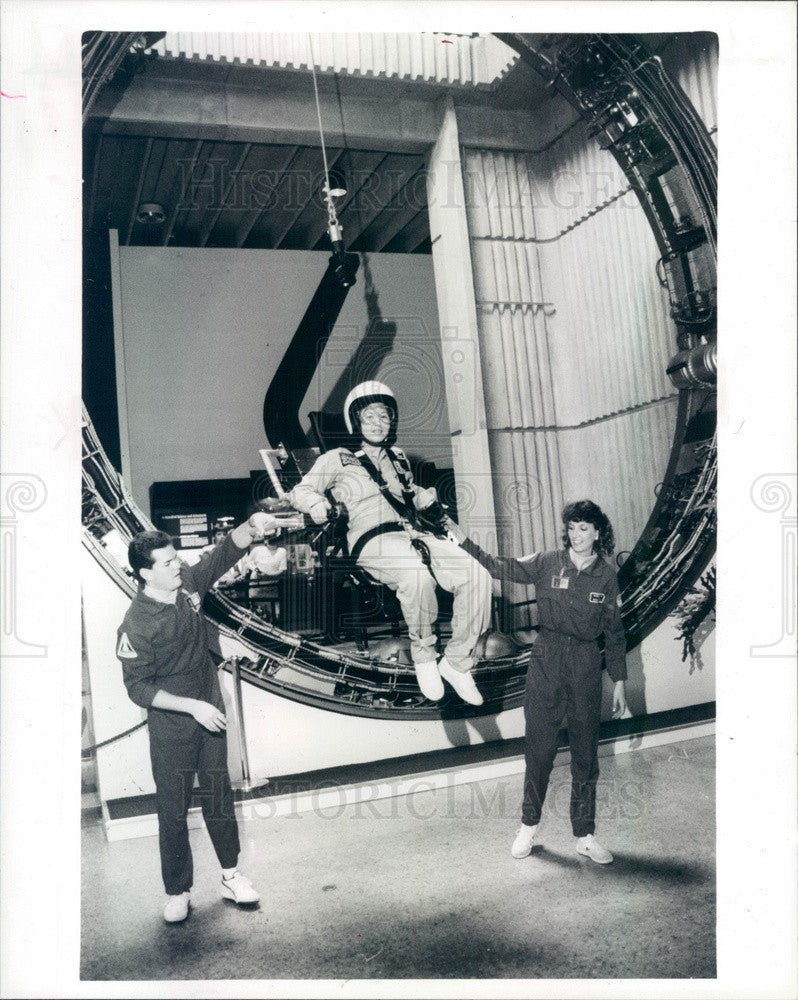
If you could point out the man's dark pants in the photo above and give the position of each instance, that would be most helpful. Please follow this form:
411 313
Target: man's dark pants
175 761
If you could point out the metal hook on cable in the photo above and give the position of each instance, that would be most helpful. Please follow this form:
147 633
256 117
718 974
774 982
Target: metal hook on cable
333 225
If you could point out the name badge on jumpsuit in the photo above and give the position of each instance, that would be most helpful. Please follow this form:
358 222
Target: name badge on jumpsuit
559 583
193 599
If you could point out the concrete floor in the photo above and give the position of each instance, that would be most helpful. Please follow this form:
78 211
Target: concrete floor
423 887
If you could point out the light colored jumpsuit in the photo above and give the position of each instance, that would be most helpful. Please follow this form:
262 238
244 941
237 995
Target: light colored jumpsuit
392 560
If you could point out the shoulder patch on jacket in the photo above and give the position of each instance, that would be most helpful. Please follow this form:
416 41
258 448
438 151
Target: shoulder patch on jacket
124 649
193 598
347 458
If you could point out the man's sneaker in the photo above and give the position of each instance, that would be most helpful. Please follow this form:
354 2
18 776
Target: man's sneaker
176 909
524 839
239 888
429 680
463 683
592 849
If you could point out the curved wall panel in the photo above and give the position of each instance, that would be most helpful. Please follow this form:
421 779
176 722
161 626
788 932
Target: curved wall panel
637 112
576 339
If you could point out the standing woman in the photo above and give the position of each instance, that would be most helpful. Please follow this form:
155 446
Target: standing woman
578 604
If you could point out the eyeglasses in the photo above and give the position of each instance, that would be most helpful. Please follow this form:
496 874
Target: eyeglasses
375 417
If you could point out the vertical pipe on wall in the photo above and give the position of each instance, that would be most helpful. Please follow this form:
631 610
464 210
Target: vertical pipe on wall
119 357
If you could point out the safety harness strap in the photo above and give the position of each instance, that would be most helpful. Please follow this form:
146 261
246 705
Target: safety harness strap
404 507
402 469
379 529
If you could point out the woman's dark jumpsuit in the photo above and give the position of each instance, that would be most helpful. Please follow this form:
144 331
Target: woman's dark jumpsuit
575 608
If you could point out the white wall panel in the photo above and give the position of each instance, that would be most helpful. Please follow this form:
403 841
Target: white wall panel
188 360
630 454
571 179
611 333
574 329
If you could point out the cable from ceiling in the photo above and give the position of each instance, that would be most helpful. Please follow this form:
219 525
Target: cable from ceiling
336 233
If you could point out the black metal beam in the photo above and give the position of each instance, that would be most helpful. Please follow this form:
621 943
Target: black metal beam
299 363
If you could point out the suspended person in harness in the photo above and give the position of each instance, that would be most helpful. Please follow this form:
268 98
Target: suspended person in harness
396 534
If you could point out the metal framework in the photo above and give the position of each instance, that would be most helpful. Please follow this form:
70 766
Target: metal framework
648 124
637 113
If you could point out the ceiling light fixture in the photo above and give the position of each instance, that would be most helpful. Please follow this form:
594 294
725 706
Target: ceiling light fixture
335 185
151 214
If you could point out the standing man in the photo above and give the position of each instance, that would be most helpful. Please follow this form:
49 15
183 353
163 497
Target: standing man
167 669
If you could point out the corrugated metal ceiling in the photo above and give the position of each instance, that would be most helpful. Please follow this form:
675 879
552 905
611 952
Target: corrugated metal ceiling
237 194
432 57
224 180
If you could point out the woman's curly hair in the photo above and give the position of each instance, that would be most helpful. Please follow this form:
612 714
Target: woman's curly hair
586 510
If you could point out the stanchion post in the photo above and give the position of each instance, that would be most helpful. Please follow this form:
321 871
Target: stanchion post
246 784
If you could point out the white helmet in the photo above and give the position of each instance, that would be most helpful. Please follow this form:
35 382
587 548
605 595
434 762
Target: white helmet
361 397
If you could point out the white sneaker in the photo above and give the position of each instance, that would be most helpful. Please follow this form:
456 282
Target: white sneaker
176 909
463 683
429 680
524 839
592 849
239 888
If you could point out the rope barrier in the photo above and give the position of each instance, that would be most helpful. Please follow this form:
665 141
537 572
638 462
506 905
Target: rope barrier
88 751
